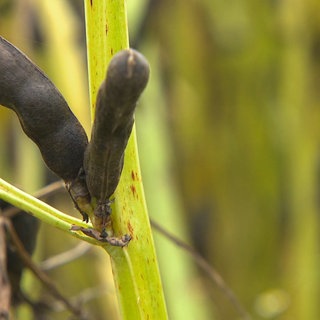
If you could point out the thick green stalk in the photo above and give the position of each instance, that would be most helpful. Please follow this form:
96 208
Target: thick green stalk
135 267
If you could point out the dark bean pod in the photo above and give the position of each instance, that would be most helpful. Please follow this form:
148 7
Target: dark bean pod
45 118
43 113
126 78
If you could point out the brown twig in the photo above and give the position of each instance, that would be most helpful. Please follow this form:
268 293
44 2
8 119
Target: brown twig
40 274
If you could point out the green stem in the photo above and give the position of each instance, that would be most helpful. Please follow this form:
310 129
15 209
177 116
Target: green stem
42 211
135 268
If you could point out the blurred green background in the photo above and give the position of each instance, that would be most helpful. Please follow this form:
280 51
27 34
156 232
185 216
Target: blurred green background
228 140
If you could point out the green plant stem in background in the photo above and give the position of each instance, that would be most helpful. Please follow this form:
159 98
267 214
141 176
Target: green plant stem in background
135 267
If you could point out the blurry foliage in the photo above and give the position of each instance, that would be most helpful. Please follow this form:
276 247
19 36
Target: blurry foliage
235 107
240 81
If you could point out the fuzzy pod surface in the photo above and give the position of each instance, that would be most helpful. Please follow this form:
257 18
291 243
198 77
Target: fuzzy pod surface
42 111
127 76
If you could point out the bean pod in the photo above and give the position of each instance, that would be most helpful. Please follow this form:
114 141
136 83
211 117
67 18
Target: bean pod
43 113
45 117
127 76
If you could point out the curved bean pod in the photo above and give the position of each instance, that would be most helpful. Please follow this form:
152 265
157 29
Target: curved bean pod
43 113
46 119
127 76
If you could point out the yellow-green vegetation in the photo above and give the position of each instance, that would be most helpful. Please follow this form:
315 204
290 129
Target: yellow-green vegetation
228 137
